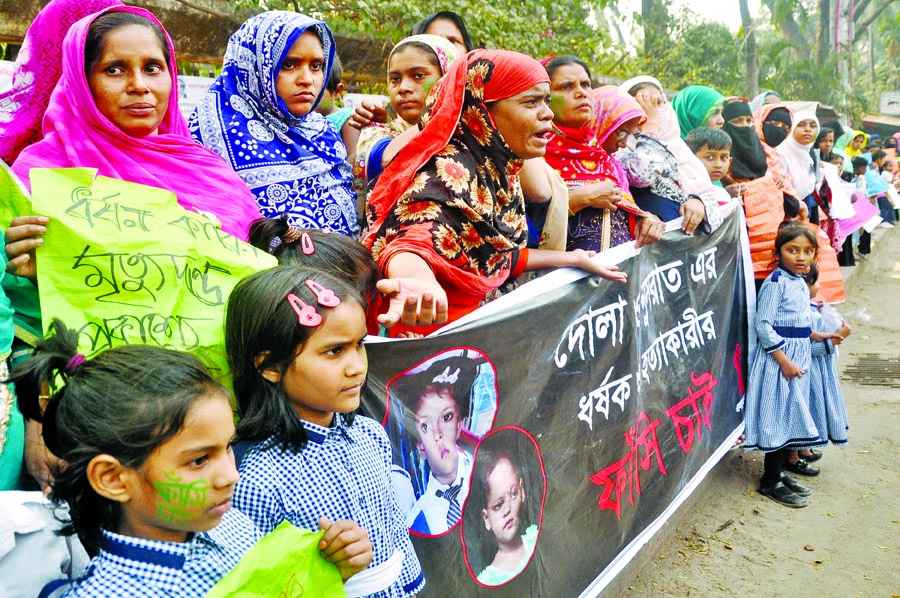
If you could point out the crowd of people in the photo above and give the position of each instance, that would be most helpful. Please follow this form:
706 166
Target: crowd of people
483 165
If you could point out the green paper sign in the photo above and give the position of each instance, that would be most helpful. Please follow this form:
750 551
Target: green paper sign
284 564
123 263
13 200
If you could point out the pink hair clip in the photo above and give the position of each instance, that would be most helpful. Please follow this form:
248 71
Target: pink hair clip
306 244
325 297
306 314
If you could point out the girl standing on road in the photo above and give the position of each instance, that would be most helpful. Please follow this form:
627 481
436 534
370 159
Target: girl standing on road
777 415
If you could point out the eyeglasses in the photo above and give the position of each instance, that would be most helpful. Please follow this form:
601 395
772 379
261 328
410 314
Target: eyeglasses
622 134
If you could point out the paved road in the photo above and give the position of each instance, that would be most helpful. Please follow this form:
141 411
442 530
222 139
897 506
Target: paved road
846 543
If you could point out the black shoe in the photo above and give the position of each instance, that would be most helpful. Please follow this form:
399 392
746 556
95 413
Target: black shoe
802 467
812 457
793 486
783 496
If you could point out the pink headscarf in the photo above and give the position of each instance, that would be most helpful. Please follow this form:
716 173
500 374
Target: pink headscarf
77 134
38 67
614 108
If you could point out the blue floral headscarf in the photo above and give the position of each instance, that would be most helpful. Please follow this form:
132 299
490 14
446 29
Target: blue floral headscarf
293 165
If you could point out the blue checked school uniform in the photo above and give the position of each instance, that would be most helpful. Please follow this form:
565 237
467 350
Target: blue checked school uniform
776 410
128 566
826 401
342 473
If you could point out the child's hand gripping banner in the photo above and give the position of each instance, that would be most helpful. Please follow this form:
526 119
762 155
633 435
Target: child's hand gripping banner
284 564
123 263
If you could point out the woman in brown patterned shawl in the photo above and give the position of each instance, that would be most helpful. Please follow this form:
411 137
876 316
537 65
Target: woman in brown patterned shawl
447 217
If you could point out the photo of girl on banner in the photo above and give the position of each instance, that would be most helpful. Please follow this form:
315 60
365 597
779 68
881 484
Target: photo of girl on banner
502 517
437 412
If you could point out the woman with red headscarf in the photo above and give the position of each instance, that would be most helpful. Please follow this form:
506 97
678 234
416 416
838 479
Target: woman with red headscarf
581 151
447 217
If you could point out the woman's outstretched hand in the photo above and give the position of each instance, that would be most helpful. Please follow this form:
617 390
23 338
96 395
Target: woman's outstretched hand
413 302
22 237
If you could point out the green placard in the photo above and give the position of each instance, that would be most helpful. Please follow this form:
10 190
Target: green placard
13 199
123 263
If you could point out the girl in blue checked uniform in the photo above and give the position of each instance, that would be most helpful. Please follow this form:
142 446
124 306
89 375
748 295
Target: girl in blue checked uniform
776 413
145 434
294 339
826 401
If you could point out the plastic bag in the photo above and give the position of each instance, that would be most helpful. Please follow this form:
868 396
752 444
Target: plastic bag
284 564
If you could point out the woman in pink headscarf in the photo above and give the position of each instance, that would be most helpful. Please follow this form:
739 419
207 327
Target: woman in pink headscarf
38 67
113 109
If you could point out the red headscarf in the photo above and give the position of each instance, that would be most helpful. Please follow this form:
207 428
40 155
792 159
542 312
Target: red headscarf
451 195
578 155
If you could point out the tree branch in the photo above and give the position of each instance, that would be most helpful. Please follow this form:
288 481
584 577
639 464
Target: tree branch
857 35
219 15
860 8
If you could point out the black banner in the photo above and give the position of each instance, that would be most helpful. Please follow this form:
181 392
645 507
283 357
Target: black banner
566 418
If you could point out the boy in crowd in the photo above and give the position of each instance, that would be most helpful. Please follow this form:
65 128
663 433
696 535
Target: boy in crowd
332 107
713 147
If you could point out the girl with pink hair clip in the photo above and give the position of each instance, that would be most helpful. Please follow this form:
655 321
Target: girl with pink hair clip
294 339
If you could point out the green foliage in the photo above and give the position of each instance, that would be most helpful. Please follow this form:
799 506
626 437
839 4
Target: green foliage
703 54
679 49
536 27
889 33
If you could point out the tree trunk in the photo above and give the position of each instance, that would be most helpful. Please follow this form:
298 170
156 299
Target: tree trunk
751 73
649 34
824 48
862 25
655 17
792 31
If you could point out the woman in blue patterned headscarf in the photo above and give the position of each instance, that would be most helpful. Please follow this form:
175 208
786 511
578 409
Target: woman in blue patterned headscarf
260 116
